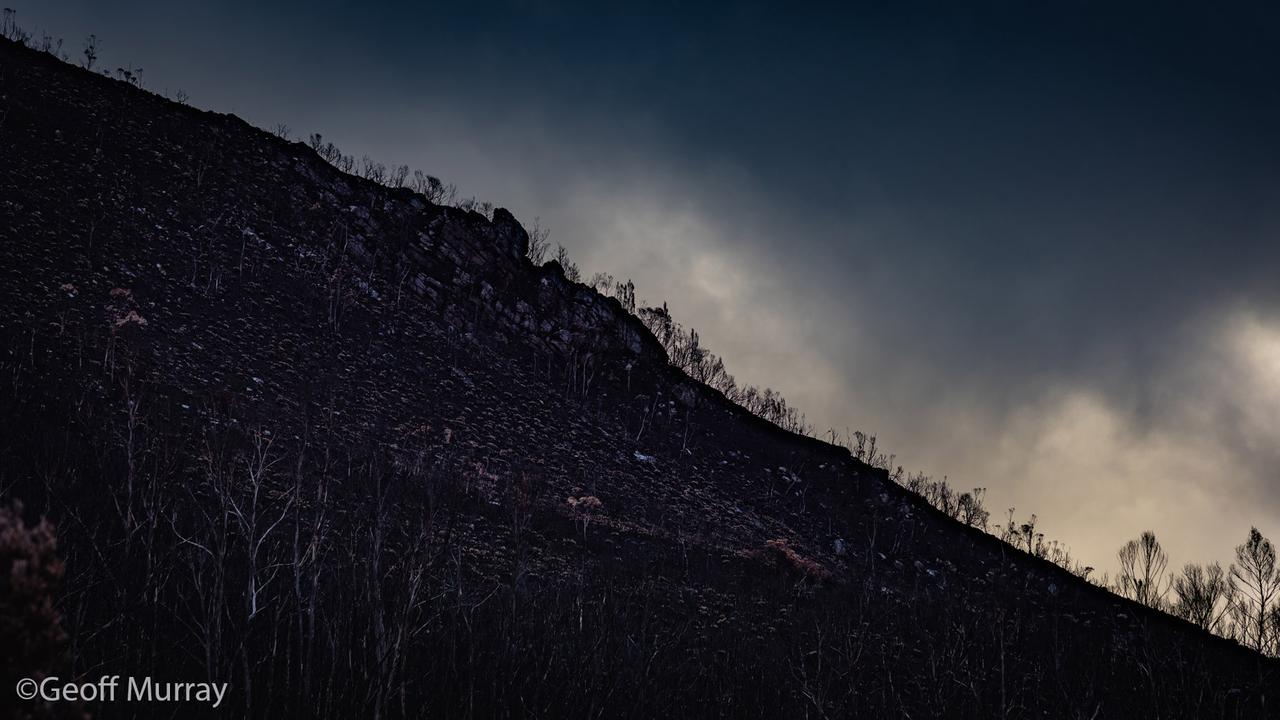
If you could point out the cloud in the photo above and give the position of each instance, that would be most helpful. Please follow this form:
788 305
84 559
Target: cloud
1109 385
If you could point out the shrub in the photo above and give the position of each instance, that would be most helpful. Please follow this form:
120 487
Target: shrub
780 550
31 637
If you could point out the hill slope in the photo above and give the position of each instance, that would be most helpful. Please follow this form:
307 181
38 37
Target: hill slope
352 453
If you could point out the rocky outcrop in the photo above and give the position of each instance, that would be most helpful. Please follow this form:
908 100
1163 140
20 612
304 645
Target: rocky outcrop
475 271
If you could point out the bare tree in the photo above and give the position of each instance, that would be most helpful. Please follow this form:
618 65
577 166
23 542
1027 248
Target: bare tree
571 270
626 294
432 188
257 520
90 51
257 513
1257 581
399 174
8 23
601 282
371 170
1273 616
1203 595
1142 566
538 242
971 511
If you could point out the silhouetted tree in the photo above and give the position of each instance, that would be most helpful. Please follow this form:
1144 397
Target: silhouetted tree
626 294
571 270
971 510
371 170
399 174
538 242
90 51
1142 566
1203 595
1020 535
1254 576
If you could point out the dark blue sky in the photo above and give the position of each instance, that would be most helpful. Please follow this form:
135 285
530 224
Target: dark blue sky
1035 244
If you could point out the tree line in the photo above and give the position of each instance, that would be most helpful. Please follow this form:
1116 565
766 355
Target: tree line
1240 602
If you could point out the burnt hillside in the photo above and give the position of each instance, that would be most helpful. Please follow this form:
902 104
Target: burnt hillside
354 454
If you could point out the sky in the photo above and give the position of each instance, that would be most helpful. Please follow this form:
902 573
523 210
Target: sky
1034 247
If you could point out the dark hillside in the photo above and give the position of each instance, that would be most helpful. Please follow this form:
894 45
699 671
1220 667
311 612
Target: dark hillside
354 454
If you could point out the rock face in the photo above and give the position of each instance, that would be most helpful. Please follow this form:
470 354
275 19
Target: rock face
476 273
352 453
